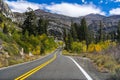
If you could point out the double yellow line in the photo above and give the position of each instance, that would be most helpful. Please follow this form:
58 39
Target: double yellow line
24 76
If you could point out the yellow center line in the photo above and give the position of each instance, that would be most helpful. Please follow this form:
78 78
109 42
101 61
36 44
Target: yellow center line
24 76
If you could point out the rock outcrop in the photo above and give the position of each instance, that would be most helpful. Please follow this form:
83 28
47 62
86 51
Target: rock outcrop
4 8
58 22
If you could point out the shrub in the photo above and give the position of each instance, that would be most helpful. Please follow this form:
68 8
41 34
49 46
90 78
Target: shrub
5 38
91 47
12 61
100 46
78 47
36 51
11 48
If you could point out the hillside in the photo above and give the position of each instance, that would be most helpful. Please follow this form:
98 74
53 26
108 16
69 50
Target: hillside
57 22
16 46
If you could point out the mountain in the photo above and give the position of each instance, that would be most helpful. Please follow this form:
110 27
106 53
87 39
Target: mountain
19 17
57 22
4 8
109 23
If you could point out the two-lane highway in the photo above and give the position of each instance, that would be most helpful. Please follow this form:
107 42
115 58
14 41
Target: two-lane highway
51 67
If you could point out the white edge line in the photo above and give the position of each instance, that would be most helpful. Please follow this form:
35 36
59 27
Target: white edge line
82 70
25 62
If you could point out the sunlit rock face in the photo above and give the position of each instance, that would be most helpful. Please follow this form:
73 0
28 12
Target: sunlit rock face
58 22
4 8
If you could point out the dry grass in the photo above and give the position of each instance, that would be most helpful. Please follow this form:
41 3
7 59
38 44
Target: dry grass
4 62
105 61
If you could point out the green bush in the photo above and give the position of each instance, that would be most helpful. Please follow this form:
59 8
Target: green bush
11 48
5 37
79 47
12 62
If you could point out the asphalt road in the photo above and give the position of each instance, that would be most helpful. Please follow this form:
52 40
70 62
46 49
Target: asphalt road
51 67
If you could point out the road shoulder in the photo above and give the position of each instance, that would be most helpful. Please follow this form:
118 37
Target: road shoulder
90 68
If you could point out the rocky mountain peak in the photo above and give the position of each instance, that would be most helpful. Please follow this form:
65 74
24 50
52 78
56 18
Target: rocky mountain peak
95 16
4 8
40 11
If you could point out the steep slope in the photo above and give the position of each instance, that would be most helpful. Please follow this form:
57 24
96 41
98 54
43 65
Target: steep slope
19 17
4 8
109 23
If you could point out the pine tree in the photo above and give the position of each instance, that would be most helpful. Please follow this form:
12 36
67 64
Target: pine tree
83 31
42 26
91 37
1 20
100 32
5 29
74 31
30 23
65 37
46 25
118 32
69 41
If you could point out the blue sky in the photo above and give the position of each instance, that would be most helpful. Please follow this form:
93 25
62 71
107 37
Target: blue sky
73 8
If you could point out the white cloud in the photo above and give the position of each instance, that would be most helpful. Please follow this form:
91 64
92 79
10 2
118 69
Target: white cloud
101 1
115 11
117 0
106 2
68 9
74 10
21 5
83 1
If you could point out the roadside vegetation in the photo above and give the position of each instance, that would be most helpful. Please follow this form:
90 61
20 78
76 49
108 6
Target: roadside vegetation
24 42
101 47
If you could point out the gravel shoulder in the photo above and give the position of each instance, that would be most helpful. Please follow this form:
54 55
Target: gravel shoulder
90 68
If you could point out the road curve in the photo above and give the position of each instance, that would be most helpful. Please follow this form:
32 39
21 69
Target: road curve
60 68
